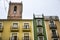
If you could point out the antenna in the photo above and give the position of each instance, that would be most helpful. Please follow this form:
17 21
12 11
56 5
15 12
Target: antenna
5 7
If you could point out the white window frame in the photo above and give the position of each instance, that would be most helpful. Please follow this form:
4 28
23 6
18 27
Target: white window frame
38 29
28 34
40 21
40 36
13 25
53 21
28 24
13 35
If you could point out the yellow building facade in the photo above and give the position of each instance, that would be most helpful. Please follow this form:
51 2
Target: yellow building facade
16 29
52 26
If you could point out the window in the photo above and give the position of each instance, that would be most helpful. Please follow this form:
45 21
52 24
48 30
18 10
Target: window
39 22
40 30
26 36
54 32
14 36
15 9
56 17
55 39
52 23
26 25
40 38
0 25
15 25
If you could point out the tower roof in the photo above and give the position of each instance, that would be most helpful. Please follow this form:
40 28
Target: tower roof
15 3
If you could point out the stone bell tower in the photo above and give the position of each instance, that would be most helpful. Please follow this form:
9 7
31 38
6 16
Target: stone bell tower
15 10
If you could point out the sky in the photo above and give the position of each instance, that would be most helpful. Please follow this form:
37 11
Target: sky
30 7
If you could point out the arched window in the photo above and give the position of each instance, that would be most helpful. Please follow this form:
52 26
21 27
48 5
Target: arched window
15 9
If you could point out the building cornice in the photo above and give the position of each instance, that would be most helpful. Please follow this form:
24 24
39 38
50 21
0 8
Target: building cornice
16 19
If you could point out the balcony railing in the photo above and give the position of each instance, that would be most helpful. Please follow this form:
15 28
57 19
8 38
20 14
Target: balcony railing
1 29
40 34
38 16
39 25
55 36
26 29
26 38
53 26
14 29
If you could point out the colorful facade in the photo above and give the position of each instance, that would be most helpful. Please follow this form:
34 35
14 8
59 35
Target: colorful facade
39 27
14 27
52 26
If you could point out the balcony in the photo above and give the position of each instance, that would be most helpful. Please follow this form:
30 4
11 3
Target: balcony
39 25
38 16
1 29
40 34
14 29
26 38
53 26
55 36
26 29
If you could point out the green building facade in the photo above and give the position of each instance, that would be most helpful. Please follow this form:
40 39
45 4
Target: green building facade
39 27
